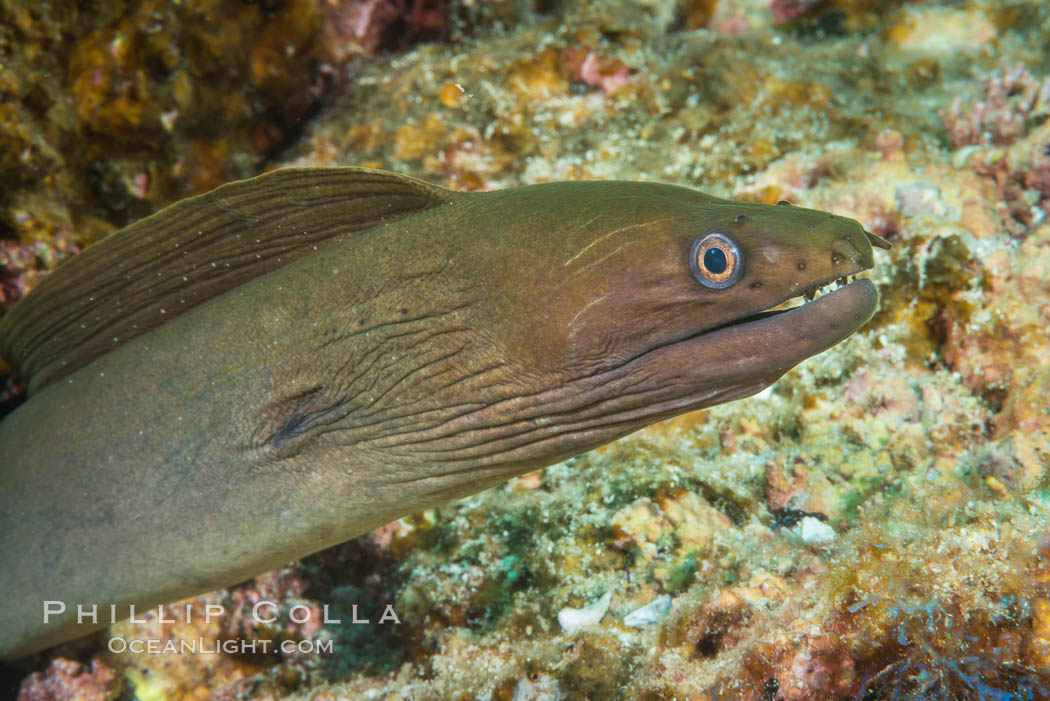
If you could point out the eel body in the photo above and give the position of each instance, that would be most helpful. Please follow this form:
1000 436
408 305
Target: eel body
286 362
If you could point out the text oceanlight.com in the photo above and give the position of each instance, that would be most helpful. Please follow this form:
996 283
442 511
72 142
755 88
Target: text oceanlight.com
200 646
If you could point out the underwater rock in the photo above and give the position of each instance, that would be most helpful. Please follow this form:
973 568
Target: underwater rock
66 679
113 111
538 687
938 30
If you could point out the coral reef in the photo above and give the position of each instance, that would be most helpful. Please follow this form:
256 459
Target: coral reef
65 679
1004 136
871 527
354 26
111 112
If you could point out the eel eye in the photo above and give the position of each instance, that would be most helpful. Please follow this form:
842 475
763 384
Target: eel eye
715 261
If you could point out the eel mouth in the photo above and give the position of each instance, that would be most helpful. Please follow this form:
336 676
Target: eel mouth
759 348
796 301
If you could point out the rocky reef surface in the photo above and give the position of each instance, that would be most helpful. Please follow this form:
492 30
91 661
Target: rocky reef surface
874 526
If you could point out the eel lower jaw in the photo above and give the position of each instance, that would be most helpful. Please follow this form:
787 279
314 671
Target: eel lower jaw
739 359
786 335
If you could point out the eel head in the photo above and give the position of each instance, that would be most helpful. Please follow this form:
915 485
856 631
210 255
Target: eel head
628 303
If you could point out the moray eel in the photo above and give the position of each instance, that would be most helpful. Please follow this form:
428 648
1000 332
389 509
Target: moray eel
286 362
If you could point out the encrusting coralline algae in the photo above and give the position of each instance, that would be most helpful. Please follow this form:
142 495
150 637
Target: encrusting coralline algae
921 442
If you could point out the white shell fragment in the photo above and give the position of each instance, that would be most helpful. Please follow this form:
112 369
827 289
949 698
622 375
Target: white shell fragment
650 614
574 620
815 531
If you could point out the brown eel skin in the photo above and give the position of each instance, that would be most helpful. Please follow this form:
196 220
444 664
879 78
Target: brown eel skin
286 362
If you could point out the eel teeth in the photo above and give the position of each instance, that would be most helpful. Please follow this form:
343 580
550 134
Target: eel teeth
813 292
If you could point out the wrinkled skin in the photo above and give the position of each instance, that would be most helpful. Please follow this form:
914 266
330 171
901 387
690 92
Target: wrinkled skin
413 363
